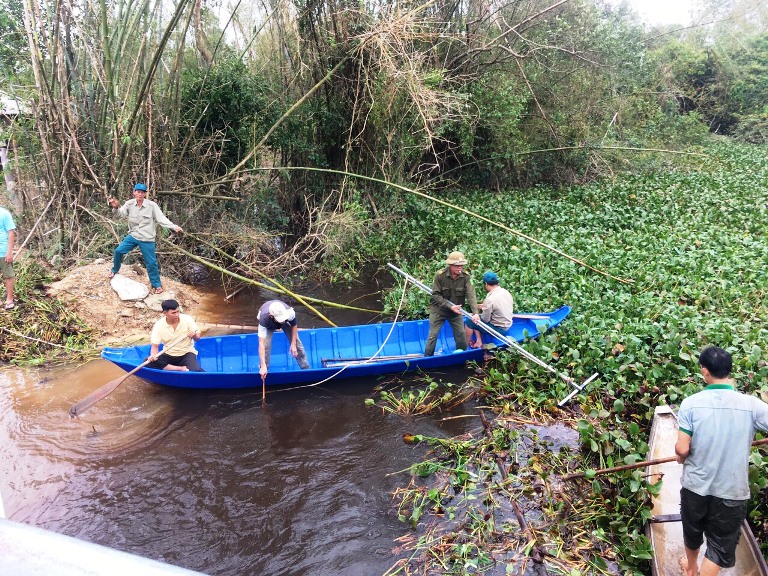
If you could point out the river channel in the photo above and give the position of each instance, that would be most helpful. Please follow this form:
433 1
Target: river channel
209 480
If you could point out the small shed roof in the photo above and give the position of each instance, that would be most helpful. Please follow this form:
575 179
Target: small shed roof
11 106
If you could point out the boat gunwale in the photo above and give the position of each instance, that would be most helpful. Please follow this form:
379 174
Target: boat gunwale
246 373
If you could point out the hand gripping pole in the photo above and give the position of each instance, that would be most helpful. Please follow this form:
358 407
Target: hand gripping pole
508 341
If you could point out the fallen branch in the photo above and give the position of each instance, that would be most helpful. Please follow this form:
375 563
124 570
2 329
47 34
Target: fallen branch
271 288
20 335
460 209
536 554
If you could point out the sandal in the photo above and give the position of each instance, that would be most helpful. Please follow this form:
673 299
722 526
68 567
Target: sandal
158 290
10 305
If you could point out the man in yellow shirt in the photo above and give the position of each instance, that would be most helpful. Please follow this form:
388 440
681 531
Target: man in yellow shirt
174 327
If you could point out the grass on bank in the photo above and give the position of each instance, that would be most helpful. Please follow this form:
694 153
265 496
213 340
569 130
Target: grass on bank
40 330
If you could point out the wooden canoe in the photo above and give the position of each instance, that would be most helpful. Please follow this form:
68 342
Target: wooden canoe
667 537
346 352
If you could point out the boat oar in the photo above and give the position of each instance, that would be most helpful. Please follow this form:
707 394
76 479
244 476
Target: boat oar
112 385
638 464
263 390
508 341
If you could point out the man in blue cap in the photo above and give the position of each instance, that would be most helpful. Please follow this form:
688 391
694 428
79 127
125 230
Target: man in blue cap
143 217
496 310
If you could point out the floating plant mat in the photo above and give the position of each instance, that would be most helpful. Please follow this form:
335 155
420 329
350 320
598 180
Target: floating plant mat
491 501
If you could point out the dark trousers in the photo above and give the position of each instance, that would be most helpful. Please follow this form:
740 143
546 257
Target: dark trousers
189 360
716 518
437 316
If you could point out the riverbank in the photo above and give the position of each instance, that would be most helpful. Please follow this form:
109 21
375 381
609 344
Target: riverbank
87 291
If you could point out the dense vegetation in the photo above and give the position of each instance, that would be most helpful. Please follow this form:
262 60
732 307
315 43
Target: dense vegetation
693 242
438 95
324 138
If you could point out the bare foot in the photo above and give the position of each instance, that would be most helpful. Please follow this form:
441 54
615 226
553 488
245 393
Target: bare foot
684 567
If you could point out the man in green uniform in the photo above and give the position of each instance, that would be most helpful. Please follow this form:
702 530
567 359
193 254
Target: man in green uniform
451 289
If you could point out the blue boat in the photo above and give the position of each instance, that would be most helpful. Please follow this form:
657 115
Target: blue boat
346 352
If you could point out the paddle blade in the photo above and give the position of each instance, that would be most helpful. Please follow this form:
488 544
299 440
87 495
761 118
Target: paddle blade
96 395
109 387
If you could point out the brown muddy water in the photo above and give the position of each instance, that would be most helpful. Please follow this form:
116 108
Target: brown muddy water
213 481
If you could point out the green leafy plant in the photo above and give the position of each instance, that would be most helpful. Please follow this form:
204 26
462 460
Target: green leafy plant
690 240
413 400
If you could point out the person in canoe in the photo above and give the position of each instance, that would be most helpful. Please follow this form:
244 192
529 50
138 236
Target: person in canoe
715 431
277 315
496 311
451 290
168 330
143 217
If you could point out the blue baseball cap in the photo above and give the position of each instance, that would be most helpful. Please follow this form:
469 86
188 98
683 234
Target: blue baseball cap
140 186
490 278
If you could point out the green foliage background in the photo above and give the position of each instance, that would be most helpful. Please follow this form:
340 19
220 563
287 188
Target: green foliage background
694 242
560 120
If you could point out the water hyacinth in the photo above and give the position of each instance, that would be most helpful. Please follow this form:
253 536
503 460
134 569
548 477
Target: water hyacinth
693 243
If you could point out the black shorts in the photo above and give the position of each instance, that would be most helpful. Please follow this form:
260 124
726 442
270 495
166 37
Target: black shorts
716 518
189 360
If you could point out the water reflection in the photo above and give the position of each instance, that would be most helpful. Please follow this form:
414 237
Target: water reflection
214 481
242 308
211 481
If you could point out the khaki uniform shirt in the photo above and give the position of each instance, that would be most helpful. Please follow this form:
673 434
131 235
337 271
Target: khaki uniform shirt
498 308
163 333
459 291
143 221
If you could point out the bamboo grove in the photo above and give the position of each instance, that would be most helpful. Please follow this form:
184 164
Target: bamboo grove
191 96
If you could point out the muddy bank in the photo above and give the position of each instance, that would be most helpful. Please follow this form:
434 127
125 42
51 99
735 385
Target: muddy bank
87 290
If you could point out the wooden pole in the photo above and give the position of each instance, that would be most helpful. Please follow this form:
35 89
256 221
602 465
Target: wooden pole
640 464
263 390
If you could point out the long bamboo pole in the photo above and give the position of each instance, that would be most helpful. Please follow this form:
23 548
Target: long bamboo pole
454 207
642 464
282 287
275 289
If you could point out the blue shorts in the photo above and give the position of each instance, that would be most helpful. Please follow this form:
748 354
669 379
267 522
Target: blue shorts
718 519
473 326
